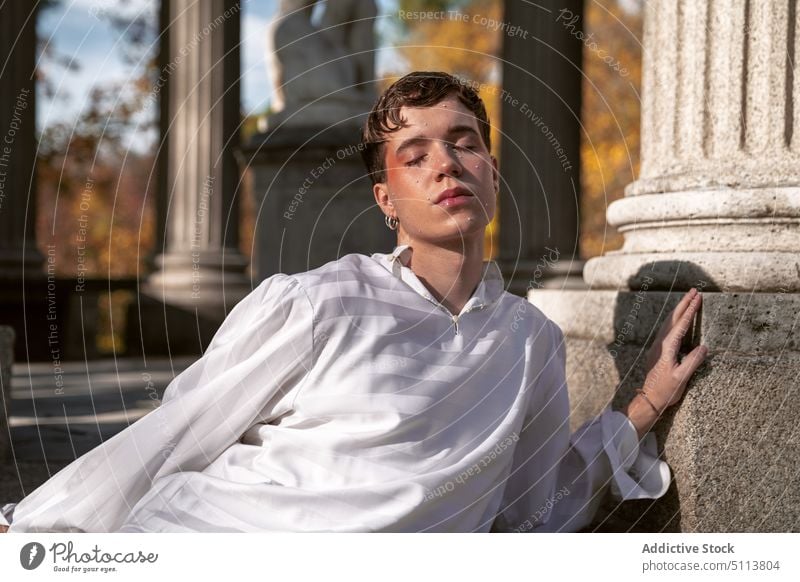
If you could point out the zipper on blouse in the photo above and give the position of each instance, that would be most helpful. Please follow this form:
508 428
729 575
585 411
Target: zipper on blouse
396 266
455 317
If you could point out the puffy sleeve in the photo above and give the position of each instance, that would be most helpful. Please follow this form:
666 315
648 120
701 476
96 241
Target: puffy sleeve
558 481
250 372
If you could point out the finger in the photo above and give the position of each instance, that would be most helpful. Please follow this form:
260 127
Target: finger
675 315
691 362
680 308
677 333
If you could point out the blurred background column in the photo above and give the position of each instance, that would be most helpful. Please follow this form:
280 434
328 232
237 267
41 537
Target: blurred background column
24 290
540 148
200 266
18 251
20 260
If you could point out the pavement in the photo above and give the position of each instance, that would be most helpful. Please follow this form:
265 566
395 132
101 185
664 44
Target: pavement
57 417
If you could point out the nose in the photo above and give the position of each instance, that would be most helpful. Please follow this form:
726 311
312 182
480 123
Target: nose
446 162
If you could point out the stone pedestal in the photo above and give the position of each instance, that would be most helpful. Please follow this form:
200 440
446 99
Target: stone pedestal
314 200
6 359
732 442
717 207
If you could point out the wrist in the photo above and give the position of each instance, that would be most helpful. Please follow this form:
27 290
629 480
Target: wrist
655 405
641 414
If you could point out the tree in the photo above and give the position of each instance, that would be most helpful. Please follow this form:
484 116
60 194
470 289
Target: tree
93 197
610 144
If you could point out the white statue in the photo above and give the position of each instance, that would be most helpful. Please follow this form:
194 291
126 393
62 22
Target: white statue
322 76
350 24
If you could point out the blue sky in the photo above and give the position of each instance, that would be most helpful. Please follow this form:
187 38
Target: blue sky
78 30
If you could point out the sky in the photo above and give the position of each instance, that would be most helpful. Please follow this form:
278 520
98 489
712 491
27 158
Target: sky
79 31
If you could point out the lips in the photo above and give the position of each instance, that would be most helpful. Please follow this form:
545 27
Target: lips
451 193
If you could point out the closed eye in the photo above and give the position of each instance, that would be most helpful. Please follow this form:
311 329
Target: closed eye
468 146
416 161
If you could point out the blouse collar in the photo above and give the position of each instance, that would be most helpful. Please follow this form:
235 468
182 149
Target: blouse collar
489 290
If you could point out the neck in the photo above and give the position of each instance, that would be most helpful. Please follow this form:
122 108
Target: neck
451 272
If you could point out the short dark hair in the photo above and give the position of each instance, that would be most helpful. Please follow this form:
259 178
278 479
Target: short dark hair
417 89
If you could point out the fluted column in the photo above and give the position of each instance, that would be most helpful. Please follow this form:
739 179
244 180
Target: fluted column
18 251
718 197
201 265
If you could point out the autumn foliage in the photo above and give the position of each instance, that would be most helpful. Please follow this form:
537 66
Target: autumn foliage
96 195
611 107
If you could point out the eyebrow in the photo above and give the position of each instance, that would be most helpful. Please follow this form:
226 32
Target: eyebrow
452 130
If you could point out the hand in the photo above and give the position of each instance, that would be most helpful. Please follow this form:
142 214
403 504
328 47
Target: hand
3 528
666 377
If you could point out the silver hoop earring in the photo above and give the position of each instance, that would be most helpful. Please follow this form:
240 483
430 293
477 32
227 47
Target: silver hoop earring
391 222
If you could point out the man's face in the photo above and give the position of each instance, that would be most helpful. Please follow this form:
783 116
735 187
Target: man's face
439 153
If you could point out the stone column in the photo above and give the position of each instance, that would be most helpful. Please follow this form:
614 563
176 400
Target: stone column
540 149
718 191
18 251
23 292
717 207
201 267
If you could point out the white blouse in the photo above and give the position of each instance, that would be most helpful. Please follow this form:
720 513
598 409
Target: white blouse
347 398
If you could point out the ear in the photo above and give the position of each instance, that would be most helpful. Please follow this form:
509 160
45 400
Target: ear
381 192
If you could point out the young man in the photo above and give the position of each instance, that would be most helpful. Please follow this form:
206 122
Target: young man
393 392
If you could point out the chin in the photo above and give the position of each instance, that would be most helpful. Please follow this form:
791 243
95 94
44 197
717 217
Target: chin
472 223
466 228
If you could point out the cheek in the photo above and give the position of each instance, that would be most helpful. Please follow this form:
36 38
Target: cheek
409 188
484 170
489 201
401 181
491 207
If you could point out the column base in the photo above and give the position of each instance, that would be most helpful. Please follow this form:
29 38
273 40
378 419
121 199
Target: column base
183 303
210 283
710 271
731 442
724 239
